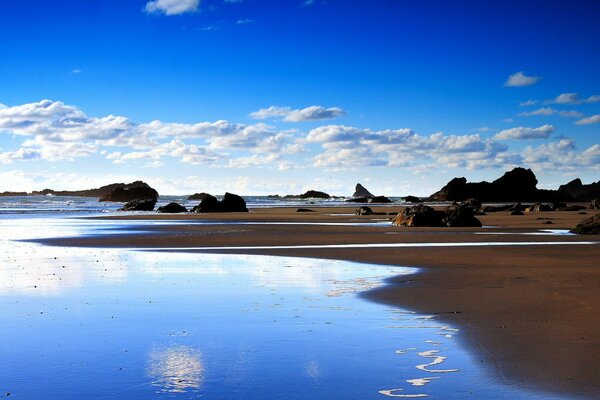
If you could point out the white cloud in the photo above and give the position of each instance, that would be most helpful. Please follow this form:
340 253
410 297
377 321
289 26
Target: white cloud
312 113
244 21
520 79
529 103
573 98
172 7
594 119
546 111
520 132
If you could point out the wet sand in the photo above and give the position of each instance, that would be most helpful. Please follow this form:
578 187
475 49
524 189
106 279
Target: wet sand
528 312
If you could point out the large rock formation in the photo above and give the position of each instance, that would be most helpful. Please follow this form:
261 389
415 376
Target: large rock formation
412 199
230 203
97 192
314 194
580 192
133 191
517 185
460 215
361 191
589 226
139 205
172 208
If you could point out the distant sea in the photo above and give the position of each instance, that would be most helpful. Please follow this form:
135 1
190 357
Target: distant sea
71 205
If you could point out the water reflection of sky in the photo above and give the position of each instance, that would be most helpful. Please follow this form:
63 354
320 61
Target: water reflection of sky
107 323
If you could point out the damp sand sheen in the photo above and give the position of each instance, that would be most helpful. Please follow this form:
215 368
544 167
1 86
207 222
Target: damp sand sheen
124 323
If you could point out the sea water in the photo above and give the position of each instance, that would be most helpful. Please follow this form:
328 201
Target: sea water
89 323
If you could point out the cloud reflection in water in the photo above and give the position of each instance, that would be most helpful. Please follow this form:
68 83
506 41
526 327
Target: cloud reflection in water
176 369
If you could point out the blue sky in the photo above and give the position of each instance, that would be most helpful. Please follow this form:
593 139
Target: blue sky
261 97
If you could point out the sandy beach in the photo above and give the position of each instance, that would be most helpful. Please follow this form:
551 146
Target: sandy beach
524 297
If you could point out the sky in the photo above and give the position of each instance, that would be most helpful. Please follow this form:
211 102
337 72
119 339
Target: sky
264 97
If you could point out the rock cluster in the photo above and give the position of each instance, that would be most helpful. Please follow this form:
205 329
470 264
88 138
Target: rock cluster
589 226
134 191
229 203
517 185
139 205
456 215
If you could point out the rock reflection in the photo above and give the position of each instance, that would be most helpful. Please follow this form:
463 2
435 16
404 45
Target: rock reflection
176 369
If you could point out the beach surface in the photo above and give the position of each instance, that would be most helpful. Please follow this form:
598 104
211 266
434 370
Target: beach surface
524 293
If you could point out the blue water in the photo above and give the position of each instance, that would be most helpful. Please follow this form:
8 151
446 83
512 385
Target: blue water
68 205
85 323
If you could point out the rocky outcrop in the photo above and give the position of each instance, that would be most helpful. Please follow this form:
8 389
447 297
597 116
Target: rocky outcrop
418 216
6 194
580 192
363 211
517 185
589 226
139 205
198 196
361 191
412 199
303 210
97 192
314 194
595 204
135 191
229 203
172 208
458 215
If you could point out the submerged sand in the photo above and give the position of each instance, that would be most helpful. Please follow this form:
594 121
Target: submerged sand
528 311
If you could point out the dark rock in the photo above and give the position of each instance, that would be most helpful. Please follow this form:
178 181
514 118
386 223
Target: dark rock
139 205
580 192
582 213
557 205
361 191
314 194
172 208
363 211
233 203
516 185
420 215
98 192
198 196
517 213
548 222
6 194
460 216
358 200
304 210
589 226
492 209
134 191
412 199
475 204
230 203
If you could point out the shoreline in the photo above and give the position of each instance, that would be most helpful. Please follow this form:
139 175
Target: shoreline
521 310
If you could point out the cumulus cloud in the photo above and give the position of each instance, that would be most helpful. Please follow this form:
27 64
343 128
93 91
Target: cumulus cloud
172 7
573 98
529 103
546 111
594 119
56 131
520 79
351 147
312 113
521 132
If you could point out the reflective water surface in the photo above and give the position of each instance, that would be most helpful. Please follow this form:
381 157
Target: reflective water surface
111 323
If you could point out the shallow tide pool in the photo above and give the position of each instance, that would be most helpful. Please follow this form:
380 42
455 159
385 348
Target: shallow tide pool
90 323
